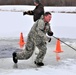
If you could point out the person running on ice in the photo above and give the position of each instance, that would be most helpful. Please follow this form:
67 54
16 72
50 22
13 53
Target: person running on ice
36 37
37 12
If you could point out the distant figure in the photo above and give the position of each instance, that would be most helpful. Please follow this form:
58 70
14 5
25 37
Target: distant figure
36 37
37 12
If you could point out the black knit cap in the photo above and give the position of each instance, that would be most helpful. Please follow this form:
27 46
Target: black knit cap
37 1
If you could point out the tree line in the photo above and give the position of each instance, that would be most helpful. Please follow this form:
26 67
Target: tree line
44 2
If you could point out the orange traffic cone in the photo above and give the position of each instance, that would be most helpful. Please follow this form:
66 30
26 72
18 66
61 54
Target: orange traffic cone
21 42
58 47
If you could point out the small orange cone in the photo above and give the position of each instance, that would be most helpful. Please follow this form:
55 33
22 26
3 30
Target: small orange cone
58 47
21 42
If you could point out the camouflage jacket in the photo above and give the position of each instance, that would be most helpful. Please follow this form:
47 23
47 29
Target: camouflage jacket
39 30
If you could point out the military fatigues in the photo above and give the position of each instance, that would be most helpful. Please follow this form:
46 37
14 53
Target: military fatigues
36 37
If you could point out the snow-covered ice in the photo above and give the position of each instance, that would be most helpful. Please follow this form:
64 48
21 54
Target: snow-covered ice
65 66
8 68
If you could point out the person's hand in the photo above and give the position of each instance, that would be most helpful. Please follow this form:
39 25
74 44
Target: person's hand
50 33
24 13
29 12
49 40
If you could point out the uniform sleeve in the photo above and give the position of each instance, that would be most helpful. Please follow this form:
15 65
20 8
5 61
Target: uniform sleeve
50 33
31 12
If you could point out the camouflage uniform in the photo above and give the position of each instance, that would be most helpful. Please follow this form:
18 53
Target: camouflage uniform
36 37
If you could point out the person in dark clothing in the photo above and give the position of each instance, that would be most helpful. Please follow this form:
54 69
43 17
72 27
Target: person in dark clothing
37 12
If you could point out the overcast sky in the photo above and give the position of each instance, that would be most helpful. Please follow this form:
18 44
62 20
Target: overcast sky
12 23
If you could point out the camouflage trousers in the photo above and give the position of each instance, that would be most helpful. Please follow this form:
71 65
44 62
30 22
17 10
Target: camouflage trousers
29 49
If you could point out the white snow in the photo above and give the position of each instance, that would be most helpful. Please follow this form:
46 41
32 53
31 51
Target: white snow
16 23
22 8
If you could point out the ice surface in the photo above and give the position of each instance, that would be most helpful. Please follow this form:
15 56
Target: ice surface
65 66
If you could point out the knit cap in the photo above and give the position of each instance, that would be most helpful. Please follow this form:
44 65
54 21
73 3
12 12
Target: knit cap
37 1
